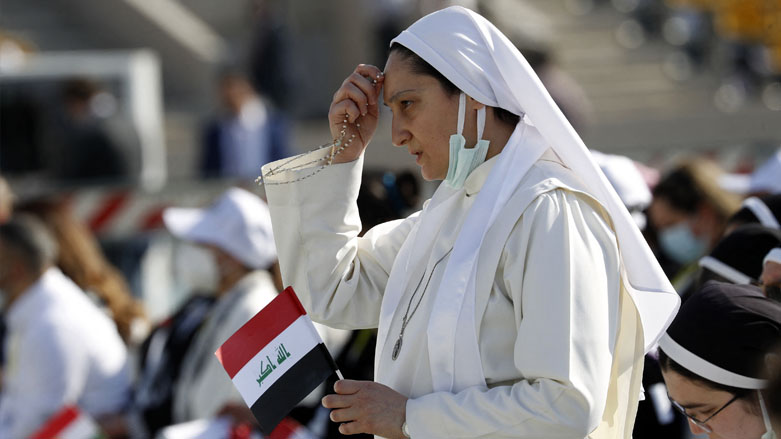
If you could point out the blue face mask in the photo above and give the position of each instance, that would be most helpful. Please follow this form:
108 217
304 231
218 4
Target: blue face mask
464 160
680 244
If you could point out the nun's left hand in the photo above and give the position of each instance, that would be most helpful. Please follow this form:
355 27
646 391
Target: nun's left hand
367 407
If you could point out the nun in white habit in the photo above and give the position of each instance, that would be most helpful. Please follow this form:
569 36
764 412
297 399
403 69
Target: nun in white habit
519 302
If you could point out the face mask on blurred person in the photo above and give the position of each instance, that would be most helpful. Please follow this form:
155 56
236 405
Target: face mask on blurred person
680 244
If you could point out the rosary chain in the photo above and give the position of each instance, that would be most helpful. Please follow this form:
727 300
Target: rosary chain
337 146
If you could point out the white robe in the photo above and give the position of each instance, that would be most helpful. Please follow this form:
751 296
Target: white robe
547 328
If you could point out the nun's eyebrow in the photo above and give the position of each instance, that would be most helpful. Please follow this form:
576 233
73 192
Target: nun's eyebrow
396 96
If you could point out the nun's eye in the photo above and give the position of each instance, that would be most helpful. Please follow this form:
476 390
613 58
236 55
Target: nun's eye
405 103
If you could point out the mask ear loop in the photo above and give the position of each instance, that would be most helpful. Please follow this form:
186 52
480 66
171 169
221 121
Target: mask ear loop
480 123
765 416
461 113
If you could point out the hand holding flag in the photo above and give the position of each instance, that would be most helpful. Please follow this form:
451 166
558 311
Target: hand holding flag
276 359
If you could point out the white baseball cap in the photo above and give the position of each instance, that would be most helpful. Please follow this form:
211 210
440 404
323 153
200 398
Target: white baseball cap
238 223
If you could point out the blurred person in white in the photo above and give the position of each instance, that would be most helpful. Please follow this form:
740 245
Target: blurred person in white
689 212
715 360
515 249
6 200
248 133
770 279
61 349
236 230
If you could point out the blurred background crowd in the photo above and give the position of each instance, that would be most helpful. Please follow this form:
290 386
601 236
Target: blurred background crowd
112 112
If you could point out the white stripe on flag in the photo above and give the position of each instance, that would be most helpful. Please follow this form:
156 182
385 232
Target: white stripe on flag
298 339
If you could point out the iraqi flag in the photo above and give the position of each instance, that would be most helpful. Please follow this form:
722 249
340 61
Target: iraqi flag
69 423
276 359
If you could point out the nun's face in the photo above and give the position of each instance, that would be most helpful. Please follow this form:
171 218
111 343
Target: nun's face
737 420
424 116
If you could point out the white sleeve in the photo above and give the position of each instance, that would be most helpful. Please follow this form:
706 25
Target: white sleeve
52 372
339 277
561 270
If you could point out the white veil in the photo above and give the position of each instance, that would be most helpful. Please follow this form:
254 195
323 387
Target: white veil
475 56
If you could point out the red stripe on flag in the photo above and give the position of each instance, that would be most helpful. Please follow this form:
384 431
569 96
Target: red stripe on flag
285 430
56 424
110 207
259 331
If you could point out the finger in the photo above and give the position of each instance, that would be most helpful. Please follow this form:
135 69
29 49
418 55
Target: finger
337 401
349 90
344 415
348 387
347 107
369 71
366 84
354 427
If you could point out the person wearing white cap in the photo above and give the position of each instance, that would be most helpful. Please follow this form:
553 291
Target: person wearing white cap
505 308
770 279
716 358
237 231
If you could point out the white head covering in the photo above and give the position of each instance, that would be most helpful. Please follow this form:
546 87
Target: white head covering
475 56
239 223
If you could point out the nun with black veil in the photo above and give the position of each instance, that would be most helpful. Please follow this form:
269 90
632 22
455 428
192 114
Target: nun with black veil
717 357
520 300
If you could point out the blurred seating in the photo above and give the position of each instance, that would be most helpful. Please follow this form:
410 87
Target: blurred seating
738 40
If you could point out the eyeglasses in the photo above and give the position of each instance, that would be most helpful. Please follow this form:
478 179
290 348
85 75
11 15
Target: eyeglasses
697 422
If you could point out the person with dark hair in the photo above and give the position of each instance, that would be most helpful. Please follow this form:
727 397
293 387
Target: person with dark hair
82 260
689 211
714 360
247 133
475 297
87 151
61 349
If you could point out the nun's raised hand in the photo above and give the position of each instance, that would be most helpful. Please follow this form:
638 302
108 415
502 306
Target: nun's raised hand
367 407
357 100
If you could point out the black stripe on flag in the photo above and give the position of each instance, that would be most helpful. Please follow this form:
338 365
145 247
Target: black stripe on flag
298 382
